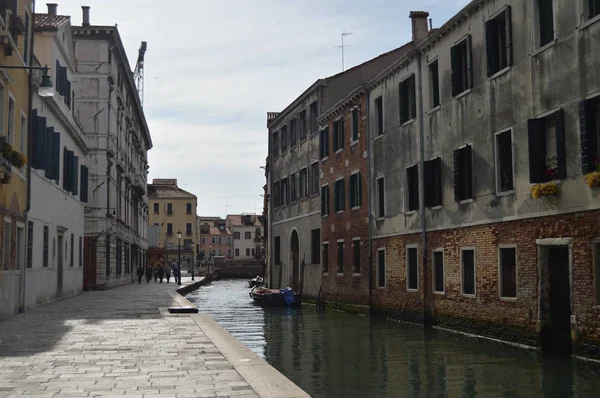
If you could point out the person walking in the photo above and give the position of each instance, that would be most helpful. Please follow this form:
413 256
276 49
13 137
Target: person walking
168 273
148 274
161 273
140 273
155 275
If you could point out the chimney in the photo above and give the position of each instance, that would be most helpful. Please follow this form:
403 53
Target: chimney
52 8
86 15
420 29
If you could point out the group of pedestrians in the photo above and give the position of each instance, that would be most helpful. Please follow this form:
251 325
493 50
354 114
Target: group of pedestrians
159 273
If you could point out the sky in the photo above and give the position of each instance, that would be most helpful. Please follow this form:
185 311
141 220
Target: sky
213 69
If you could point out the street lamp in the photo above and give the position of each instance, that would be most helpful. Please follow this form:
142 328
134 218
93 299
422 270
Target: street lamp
179 257
193 260
45 89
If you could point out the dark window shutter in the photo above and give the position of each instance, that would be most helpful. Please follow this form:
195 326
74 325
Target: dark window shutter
469 172
39 144
326 139
561 151
323 201
537 150
84 184
321 147
412 97
491 46
402 105
469 63
48 152
587 128
32 132
454 71
63 81
352 191
66 169
359 197
429 183
437 174
57 77
75 175
56 157
68 94
509 41
341 134
343 194
457 185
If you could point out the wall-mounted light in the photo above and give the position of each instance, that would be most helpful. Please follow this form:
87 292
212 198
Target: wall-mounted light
45 89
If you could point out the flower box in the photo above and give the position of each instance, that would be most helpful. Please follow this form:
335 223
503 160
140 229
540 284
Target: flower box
592 179
544 189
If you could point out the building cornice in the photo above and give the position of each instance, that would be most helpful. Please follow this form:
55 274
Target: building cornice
296 102
341 106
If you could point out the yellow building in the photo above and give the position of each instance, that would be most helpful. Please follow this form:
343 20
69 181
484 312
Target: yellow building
15 50
173 210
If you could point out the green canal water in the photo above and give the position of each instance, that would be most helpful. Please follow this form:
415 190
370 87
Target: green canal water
333 354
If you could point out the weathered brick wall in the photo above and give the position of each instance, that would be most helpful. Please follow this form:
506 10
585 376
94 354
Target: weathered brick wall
487 313
347 288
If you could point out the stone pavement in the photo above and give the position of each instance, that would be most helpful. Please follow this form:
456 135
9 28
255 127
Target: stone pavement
115 343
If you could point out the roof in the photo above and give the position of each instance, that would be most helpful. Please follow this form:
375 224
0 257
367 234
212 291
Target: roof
217 231
157 191
50 22
236 219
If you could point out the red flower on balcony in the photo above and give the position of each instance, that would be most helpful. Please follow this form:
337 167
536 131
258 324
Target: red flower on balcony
551 172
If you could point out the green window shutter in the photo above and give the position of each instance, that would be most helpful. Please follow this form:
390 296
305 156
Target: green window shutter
352 190
39 144
412 98
359 198
457 184
561 152
587 127
402 105
32 131
429 183
84 184
75 175
537 150
343 194
454 57
509 41
48 152
469 62
56 157
67 162
491 46
469 172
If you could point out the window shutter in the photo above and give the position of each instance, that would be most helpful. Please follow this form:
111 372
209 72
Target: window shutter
57 77
63 81
412 97
49 154
56 157
323 201
32 132
66 166
75 175
457 184
469 171
352 191
342 133
454 72
509 41
39 144
491 46
68 94
84 184
561 152
401 90
587 137
537 150
358 201
343 194
469 63
429 183
321 148
437 174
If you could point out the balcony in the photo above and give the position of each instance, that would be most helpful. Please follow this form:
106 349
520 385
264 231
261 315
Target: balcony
5 170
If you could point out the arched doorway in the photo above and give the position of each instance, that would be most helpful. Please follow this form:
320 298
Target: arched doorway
295 257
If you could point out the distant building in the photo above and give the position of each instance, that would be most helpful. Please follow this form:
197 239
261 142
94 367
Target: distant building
247 232
215 238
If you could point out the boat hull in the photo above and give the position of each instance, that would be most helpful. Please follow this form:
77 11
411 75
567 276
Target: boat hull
274 300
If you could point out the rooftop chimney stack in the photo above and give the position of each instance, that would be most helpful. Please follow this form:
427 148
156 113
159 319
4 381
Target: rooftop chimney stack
52 7
86 15
420 30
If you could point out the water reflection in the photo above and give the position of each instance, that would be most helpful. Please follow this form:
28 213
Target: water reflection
332 354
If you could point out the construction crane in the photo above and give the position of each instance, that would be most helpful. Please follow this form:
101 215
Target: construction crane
138 73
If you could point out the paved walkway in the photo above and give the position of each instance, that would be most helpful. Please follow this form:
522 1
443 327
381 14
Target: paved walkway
115 343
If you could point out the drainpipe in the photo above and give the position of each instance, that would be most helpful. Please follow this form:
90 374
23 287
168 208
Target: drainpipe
422 187
23 281
369 180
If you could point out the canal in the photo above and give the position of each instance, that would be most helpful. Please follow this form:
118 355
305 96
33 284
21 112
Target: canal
333 354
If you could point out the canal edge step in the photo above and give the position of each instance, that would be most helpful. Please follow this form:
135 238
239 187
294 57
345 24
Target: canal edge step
178 295
264 379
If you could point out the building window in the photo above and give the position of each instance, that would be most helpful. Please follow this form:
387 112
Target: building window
203 240
45 246
412 269
237 252
314 113
593 8
462 68
188 228
275 144
380 198
412 182
236 235
438 271
276 194
228 252
302 125
325 257
72 251
433 182
156 208
169 229
463 174
219 252
504 162
315 178
19 247
356 256
589 130
213 240
325 200
303 183
247 235
247 252
294 186
293 133
188 208
285 191
229 241
284 140
434 83
467 259
379 111
324 143
340 257
339 195
220 241
355 191
381 268
29 244
408 107
169 209
315 240
277 250
508 272
355 122
547 154
338 134
498 42
545 21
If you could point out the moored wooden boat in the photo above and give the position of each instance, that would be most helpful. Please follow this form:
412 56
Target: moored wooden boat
275 297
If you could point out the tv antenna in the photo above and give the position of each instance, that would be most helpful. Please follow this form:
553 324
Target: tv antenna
343 46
